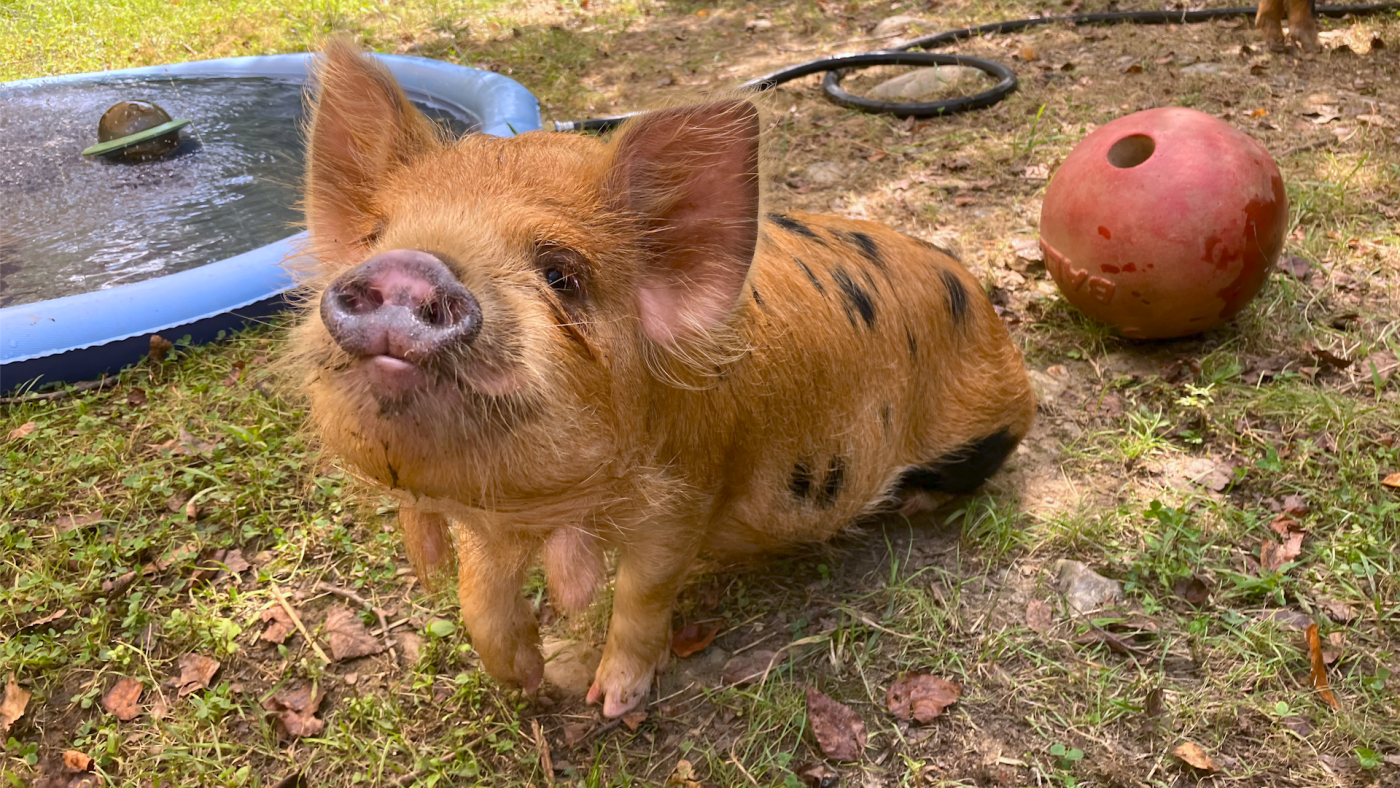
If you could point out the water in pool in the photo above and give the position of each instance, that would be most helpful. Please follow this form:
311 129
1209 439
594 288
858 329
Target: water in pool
74 224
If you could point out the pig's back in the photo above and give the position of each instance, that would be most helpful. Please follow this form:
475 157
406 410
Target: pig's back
874 361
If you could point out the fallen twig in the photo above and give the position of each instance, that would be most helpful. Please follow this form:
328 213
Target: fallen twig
546 763
1321 142
87 385
296 622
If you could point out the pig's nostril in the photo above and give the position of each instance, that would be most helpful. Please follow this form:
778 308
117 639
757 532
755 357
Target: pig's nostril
357 298
432 313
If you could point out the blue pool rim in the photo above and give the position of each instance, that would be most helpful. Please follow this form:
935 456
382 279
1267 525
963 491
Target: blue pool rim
84 336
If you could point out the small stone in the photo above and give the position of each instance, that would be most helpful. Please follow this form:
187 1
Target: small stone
570 664
895 25
1202 69
923 82
1083 588
1050 384
826 173
758 25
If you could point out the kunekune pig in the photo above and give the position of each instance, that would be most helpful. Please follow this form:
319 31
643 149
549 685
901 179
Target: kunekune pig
551 346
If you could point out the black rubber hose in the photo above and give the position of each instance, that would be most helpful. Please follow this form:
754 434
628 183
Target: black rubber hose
837 67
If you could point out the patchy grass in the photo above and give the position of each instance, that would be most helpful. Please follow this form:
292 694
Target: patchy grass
1159 465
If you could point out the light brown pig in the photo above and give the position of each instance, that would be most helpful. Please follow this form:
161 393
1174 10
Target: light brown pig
1302 27
550 347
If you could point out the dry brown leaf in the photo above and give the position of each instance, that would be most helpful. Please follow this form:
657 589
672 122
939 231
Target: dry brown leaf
1273 555
74 522
235 562
921 697
1319 669
1155 704
75 761
840 731
13 704
1295 266
279 624
1039 616
575 731
347 635
1332 651
1192 589
296 708
120 700
683 776
196 671
1339 611
632 719
49 619
22 430
1218 475
1192 754
693 638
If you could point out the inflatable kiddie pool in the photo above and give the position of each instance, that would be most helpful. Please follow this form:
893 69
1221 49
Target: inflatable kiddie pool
83 336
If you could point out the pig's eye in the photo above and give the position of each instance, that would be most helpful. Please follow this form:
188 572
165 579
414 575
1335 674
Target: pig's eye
558 280
560 269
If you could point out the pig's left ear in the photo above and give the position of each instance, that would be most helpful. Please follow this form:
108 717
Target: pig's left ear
363 127
690 175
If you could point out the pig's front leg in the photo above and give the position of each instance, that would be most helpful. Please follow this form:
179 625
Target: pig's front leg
649 575
428 542
491 569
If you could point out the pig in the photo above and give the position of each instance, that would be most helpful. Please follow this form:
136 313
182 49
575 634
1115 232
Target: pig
555 348
1302 27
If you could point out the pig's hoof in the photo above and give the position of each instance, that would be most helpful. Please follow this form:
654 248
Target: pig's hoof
525 669
617 694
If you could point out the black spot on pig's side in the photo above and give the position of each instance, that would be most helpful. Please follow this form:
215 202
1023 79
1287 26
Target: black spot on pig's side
833 483
811 277
793 226
913 344
857 299
758 299
868 248
964 470
957 296
800 483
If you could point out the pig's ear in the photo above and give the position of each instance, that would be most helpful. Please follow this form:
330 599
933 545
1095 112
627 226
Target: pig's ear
362 128
690 175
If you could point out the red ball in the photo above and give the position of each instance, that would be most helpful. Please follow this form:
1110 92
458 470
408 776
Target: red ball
1164 223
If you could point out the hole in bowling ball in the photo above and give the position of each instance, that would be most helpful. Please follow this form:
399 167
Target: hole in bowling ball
1131 151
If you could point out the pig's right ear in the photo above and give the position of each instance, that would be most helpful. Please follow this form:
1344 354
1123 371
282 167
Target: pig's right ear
363 127
690 176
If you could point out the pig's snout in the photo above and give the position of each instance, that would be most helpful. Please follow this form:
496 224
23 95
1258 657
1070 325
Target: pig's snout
399 310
